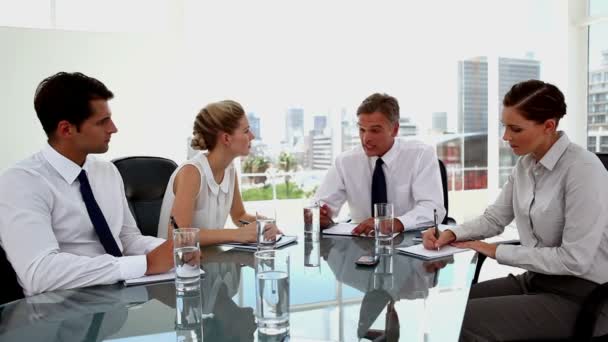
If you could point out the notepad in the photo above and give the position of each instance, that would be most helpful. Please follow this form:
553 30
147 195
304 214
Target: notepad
284 240
345 229
418 251
155 278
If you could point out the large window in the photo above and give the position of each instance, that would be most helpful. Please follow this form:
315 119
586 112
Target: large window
597 123
300 69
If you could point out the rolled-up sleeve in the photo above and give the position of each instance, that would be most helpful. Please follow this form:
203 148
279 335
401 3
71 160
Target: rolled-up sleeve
585 228
493 221
332 190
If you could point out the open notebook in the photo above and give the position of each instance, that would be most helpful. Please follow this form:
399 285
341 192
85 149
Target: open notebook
418 251
284 240
156 278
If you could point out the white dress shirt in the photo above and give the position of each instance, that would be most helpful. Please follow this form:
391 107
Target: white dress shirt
46 231
560 207
213 202
413 183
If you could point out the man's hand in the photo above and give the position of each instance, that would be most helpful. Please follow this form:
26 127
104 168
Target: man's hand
325 216
487 249
430 242
160 259
365 228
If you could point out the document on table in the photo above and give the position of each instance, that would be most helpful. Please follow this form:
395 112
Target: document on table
345 229
283 240
418 251
155 278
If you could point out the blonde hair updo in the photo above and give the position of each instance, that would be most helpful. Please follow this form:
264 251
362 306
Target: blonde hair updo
216 117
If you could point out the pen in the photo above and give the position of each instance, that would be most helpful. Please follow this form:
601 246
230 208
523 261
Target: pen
173 223
436 227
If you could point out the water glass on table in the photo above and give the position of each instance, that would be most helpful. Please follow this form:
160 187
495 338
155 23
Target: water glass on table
312 220
187 256
384 227
265 222
272 291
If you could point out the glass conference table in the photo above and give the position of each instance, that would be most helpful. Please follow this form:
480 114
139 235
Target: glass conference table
331 299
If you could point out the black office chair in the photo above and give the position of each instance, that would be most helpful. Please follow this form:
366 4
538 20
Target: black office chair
592 305
444 182
604 158
145 180
11 290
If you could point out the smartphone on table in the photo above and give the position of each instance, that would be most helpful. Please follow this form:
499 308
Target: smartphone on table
367 260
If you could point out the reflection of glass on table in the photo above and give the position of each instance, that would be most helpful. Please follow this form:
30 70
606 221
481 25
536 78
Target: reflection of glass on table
188 312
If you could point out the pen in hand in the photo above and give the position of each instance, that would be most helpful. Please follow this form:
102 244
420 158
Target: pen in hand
173 223
436 226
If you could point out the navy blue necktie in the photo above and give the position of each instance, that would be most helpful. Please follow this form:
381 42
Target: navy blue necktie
99 222
378 185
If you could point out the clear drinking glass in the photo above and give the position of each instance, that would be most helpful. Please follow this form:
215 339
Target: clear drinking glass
312 220
187 256
272 291
265 223
383 227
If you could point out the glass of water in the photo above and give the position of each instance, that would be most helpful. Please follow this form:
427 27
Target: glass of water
266 223
272 291
187 256
383 227
312 220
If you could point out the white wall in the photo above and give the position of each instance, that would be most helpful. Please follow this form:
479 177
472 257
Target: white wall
143 70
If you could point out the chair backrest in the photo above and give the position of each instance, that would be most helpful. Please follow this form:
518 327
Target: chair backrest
145 180
604 158
444 183
11 290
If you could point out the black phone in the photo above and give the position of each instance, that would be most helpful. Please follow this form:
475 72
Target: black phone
367 260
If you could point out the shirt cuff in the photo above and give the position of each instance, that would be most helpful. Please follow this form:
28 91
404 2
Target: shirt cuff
407 222
461 233
132 266
505 254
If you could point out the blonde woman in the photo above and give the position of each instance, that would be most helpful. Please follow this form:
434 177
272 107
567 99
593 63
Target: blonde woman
204 190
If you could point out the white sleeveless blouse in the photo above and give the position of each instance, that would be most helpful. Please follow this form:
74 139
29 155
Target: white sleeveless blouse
213 202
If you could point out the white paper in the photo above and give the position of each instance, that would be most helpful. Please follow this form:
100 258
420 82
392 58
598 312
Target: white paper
155 278
420 252
284 240
346 229
340 229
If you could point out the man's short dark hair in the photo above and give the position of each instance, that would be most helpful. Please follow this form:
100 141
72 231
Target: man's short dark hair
382 103
67 96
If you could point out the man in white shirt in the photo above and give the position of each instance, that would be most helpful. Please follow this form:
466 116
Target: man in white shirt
64 219
383 170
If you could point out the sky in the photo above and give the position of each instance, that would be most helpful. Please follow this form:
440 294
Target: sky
325 56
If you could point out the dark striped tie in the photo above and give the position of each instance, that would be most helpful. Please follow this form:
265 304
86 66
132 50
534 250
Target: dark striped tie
99 222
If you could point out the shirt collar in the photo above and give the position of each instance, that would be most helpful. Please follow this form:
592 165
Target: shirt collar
224 185
555 152
388 157
65 167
